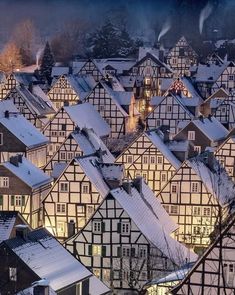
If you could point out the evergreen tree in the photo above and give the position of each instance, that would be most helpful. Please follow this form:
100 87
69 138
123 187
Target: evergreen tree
47 63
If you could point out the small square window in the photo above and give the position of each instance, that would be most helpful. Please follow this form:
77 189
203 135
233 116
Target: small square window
206 211
191 135
64 187
96 250
129 159
70 156
61 208
62 156
97 227
163 177
174 188
159 159
196 211
194 187
126 251
85 188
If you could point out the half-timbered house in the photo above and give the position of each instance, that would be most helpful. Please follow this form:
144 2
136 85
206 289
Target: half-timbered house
148 156
122 247
36 258
152 70
168 111
69 89
22 188
16 79
18 135
77 192
34 105
202 133
225 112
80 142
89 67
214 272
194 197
116 107
67 119
226 80
181 57
225 154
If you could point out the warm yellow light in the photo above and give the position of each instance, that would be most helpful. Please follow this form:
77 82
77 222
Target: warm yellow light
150 109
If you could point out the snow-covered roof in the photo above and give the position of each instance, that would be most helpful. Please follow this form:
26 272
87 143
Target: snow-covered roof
24 78
163 148
85 116
58 169
50 260
82 85
180 146
119 64
127 81
153 221
59 71
7 105
89 143
218 183
7 222
28 173
98 172
212 128
35 101
174 276
29 135
209 72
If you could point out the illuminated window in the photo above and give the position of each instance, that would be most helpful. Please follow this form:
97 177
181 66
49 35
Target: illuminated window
106 274
13 274
96 250
96 272
147 81
191 135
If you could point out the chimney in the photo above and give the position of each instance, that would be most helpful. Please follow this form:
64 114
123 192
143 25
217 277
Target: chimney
22 231
138 184
71 228
41 287
70 72
201 118
20 158
14 160
127 186
161 55
7 114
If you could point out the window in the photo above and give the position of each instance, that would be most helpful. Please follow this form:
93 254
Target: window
1 138
230 171
85 188
126 251
231 77
125 228
152 160
64 187
116 274
174 188
60 228
129 159
197 230
13 274
223 110
62 156
163 177
194 187
143 251
97 227
18 201
4 181
162 70
63 127
96 250
53 133
196 211
159 159
181 52
70 155
169 109
96 272
90 210
1 200
106 274
174 209
145 159
191 135
197 149
61 208
147 81
158 123
206 211
101 107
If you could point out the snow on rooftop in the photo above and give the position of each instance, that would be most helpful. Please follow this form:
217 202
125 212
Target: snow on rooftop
96 287
218 183
85 116
209 72
7 105
50 260
153 221
212 128
29 135
7 221
163 148
28 173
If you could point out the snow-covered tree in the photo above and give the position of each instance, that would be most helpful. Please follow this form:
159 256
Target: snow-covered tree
47 63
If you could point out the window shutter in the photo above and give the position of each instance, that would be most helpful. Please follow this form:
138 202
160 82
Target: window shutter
12 200
1 200
102 226
103 251
119 227
23 200
132 252
119 251
90 250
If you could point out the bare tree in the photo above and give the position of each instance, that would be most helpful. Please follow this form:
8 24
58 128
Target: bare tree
10 58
